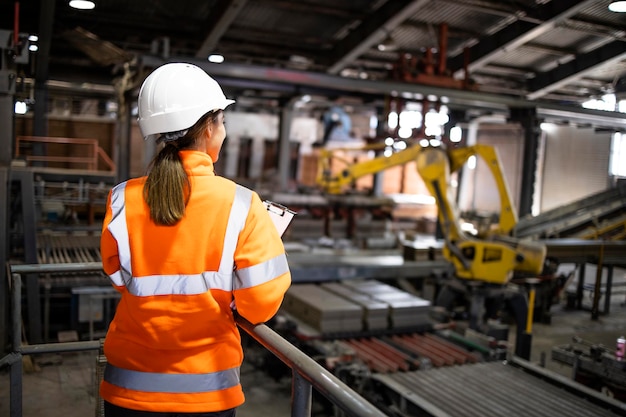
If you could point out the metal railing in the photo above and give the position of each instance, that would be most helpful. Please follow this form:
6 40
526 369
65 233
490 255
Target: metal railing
306 373
90 146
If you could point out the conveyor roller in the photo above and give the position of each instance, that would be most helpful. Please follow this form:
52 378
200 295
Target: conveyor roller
489 389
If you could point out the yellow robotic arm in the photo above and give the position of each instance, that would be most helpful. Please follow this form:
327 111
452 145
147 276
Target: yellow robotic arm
493 259
459 156
336 184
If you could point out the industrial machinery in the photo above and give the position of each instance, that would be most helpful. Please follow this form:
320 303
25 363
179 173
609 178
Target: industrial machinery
490 259
388 344
484 264
595 365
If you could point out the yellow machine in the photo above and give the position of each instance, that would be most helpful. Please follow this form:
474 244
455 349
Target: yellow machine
491 259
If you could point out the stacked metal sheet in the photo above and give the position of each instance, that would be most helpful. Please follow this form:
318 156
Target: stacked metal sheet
322 310
355 306
375 313
405 309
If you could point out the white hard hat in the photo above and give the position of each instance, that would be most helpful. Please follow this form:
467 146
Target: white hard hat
175 96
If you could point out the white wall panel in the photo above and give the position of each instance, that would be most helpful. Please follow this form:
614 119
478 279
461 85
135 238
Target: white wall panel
482 195
576 164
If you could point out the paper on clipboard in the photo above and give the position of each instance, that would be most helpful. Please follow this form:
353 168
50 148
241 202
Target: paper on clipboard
280 215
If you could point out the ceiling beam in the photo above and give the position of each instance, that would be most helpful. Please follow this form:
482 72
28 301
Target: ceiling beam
301 82
220 23
548 81
515 35
371 31
314 7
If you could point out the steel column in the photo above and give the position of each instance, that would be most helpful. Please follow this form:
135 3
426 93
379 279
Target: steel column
4 254
286 117
608 289
122 151
7 90
527 117
40 121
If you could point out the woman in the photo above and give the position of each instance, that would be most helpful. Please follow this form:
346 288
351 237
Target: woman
184 248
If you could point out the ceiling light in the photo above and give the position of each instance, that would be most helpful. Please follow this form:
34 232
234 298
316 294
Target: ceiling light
82 4
618 6
216 58
388 45
20 107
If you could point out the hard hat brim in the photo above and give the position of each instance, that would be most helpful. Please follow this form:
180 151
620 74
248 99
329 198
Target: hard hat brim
154 135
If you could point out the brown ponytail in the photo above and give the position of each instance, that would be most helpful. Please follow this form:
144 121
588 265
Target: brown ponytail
167 188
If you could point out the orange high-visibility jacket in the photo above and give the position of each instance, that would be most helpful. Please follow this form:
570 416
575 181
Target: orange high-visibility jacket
173 344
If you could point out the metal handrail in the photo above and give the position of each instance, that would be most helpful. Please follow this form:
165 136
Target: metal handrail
91 160
306 373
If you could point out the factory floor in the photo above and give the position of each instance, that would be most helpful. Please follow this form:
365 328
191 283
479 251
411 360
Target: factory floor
64 385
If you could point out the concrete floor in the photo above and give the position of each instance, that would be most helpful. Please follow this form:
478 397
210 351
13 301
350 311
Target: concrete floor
64 385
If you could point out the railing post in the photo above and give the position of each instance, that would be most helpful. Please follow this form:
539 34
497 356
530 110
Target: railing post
15 376
301 395
16 315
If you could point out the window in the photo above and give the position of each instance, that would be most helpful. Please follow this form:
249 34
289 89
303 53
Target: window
617 165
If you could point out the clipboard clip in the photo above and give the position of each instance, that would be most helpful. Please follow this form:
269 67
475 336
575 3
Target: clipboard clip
280 215
278 209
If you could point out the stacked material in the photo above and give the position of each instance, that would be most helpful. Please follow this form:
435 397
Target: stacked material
375 313
405 309
355 306
322 310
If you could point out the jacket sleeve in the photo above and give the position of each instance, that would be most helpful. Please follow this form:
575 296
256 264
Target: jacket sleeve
108 247
262 273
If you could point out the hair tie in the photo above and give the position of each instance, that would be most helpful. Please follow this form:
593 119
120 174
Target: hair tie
172 136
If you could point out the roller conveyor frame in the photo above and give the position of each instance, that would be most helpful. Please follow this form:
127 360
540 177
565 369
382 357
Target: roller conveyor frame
567 220
510 388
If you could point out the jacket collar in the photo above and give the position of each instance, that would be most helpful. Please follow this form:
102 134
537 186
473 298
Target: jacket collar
197 163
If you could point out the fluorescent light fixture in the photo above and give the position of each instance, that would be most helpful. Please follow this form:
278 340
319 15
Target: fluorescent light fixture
82 4
618 6
216 58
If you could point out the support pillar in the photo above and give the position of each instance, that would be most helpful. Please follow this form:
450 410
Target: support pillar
381 133
284 151
7 135
40 118
122 150
527 118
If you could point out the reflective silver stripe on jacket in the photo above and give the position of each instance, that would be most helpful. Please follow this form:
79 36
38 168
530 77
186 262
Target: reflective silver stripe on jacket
236 222
118 223
261 273
181 284
171 383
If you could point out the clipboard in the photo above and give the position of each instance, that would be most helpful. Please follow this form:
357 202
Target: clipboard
280 215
